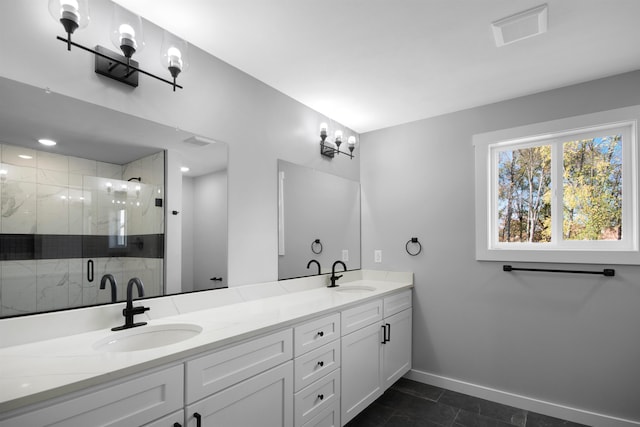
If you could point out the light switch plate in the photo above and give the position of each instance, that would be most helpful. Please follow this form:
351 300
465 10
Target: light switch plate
377 255
345 255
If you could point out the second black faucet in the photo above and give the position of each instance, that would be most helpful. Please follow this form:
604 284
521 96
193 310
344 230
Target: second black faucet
333 277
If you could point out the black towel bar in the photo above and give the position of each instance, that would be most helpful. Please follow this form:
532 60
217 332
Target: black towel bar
609 272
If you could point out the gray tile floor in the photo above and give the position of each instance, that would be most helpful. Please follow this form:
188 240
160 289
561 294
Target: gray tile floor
410 404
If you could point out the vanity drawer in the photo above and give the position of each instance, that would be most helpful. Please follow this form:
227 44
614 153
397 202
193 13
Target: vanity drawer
361 316
315 364
316 333
328 417
397 302
214 372
133 402
314 399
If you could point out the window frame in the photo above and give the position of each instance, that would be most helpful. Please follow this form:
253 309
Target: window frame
555 133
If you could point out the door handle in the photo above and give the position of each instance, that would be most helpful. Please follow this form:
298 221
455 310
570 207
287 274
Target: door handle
198 418
90 271
388 337
384 334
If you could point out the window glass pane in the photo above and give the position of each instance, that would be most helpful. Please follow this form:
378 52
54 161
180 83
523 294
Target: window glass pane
524 194
592 189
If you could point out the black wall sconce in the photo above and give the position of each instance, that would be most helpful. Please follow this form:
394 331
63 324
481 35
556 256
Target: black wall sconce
332 148
127 35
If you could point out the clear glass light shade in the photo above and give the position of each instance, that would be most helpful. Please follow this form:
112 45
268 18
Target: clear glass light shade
323 127
338 136
70 12
351 141
126 31
174 53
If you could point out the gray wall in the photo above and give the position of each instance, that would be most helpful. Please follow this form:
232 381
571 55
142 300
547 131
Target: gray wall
571 340
259 123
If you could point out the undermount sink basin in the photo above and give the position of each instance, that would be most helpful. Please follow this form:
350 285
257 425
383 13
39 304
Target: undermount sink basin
354 289
147 337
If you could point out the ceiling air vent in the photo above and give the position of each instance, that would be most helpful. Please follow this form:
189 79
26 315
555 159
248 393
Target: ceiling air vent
520 26
199 141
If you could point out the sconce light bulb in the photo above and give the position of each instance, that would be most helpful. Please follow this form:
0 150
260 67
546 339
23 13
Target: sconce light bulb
128 42
338 137
323 131
174 57
69 15
351 141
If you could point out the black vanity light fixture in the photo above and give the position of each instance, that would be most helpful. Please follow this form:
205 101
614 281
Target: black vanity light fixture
331 148
127 35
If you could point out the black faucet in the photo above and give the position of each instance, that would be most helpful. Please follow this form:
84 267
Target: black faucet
316 262
114 286
129 311
333 277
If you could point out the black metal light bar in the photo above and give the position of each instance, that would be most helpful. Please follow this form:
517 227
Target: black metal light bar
329 151
130 65
609 272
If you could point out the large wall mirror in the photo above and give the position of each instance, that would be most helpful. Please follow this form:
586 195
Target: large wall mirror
318 220
99 201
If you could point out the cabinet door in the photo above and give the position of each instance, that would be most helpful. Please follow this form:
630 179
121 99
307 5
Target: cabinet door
265 400
174 420
397 351
132 402
361 370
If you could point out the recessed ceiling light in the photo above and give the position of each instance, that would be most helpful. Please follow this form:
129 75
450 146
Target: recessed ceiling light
24 156
184 169
47 142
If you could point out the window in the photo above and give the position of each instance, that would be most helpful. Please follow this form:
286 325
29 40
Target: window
562 191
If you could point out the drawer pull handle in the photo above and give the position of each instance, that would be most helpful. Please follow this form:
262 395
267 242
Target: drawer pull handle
321 396
321 333
384 334
198 418
321 363
388 337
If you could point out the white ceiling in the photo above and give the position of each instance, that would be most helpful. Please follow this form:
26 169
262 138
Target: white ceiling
371 64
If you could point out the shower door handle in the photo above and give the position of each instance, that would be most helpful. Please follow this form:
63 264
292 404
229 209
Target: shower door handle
90 271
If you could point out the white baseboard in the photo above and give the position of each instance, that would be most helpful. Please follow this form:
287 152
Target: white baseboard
523 402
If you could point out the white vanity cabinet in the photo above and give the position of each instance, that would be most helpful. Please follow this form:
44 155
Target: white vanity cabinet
133 402
376 350
317 372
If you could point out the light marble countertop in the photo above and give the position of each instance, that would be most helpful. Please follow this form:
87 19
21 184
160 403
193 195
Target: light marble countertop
33 372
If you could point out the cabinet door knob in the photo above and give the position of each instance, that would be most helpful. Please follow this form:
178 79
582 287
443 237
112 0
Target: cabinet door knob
321 396
321 363
321 333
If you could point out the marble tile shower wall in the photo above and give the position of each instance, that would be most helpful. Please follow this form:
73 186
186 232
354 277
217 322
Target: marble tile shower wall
43 193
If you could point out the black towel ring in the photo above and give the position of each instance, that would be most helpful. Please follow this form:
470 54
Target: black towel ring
413 240
314 246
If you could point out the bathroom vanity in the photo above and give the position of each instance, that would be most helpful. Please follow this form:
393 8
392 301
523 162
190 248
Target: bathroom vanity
289 353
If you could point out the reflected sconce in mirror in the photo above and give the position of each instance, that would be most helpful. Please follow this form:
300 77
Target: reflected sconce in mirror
331 148
127 35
